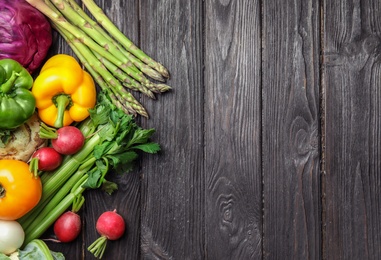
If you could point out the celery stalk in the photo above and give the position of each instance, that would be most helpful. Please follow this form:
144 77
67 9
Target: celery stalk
43 209
45 222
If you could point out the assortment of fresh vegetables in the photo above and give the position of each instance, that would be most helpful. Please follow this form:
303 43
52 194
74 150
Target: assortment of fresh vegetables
59 135
25 34
113 141
64 91
115 63
110 225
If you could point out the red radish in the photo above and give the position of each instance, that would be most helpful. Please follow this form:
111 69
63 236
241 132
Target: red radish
110 225
48 158
69 140
67 227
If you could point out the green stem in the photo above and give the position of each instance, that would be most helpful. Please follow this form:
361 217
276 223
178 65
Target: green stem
135 61
33 166
87 127
78 203
126 79
44 223
101 17
61 101
72 16
124 96
29 221
59 20
98 247
47 132
7 86
38 244
124 106
40 213
53 181
61 175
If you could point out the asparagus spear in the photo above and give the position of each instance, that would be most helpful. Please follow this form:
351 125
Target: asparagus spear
94 66
101 17
112 59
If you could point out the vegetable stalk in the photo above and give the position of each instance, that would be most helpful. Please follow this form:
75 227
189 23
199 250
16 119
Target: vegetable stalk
54 209
101 17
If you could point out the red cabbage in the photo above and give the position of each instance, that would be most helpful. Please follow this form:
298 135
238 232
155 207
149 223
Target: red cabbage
25 33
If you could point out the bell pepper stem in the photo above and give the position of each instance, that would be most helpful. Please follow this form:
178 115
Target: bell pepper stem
7 85
62 101
2 191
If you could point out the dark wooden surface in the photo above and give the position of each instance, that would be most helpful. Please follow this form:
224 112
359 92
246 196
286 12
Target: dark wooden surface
270 138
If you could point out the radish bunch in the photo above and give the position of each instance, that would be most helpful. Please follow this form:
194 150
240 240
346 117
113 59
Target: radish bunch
66 140
110 225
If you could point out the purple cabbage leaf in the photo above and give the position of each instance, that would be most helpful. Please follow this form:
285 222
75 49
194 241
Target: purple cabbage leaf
25 34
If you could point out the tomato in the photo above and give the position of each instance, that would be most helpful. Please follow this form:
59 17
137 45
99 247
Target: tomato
20 190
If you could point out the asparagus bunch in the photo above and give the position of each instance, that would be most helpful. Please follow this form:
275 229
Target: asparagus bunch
115 62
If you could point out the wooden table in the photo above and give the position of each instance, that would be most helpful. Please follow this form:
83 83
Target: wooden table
270 137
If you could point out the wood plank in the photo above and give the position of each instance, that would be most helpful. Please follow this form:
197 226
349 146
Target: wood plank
291 169
352 128
173 208
232 124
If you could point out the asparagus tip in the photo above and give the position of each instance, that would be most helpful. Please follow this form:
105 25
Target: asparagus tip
163 87
153 74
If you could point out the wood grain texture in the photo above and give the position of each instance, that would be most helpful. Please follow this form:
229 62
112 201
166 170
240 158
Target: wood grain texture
291 169
232 114
352 128
172 219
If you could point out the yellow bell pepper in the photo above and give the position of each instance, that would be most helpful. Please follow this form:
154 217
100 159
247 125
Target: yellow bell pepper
63 91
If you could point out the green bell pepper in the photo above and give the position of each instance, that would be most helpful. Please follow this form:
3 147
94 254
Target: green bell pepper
17 103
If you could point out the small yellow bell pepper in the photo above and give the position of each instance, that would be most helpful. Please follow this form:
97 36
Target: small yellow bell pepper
63 91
